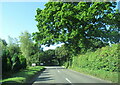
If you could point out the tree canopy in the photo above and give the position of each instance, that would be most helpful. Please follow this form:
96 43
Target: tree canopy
77 24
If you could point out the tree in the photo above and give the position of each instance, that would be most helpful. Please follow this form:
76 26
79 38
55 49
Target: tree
23 63
49 57
62 54
16 63
77 24
6 61
26 45
5 55
13 46
3 45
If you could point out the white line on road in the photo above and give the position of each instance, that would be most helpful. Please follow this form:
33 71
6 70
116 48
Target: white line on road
68 80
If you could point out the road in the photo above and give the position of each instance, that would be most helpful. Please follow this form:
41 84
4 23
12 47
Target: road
57 74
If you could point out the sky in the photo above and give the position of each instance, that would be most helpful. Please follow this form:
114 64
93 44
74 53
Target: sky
17 17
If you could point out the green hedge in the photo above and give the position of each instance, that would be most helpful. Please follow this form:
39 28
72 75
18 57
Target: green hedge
105 59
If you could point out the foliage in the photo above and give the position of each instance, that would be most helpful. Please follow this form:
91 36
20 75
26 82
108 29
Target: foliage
11 59
2 46
104 59
16 63
48 57
29 49
6 62
77 24
13 46
23 62
14 54
35 58
62 54
5 54
26 45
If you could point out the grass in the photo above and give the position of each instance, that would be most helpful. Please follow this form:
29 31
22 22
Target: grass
15 79
23 75
105 75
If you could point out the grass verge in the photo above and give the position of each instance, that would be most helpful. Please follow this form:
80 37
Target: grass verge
105 75
23 75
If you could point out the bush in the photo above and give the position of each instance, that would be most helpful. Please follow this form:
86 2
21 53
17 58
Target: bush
16 63
22 61
6 61
105 58
103 63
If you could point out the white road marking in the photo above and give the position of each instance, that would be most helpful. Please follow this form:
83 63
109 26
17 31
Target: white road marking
68 80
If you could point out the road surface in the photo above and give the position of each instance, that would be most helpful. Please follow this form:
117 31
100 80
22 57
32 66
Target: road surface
57 74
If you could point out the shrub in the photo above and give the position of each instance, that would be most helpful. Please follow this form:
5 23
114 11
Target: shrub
105 58
22 61
6 61
16 63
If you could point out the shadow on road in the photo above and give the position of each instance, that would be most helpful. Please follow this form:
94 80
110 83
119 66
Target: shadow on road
44 79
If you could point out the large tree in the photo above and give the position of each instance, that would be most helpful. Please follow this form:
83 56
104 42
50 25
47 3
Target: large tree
77 24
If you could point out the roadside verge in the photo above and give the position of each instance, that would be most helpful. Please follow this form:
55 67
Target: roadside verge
24 76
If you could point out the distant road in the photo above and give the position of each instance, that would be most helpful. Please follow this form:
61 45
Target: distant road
57 74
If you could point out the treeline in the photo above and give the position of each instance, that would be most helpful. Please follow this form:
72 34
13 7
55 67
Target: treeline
21 53
17 55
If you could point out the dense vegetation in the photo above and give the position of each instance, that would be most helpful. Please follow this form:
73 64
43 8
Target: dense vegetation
101 63
105 58
80 26
84 28
17 55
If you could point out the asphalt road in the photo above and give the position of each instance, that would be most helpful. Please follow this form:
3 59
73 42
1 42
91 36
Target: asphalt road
57 74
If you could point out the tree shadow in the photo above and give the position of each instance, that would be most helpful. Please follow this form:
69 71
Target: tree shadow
44 79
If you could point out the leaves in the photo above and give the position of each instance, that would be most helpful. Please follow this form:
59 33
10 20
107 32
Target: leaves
26 45
76 23
105 58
